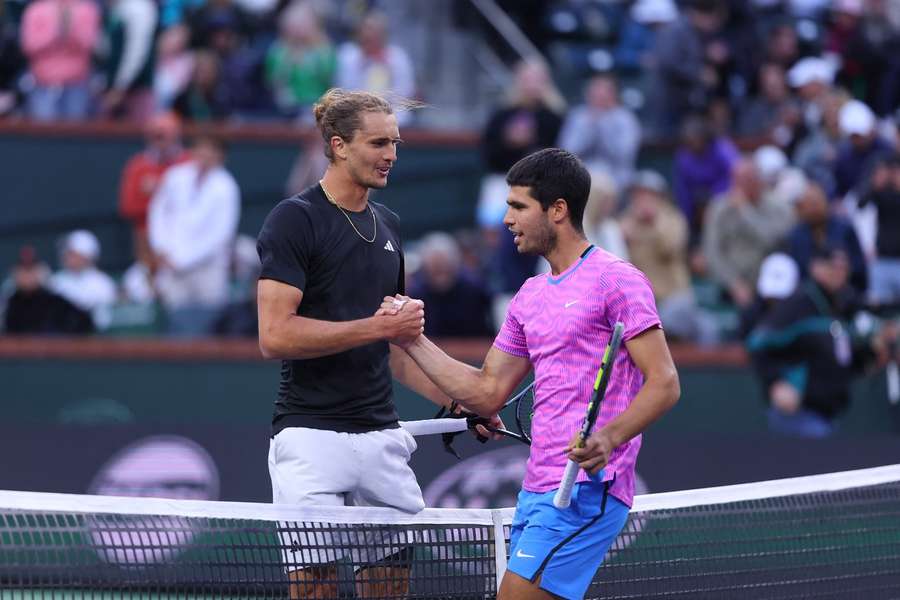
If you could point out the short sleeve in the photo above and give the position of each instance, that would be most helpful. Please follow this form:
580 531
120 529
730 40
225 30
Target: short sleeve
284 245
511 338
629 299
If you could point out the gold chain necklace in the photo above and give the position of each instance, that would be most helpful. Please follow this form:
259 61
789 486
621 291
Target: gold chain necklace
349 220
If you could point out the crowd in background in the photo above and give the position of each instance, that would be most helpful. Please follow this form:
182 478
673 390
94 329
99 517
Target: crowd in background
778 223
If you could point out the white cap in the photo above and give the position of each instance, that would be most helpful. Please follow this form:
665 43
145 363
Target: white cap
84 243
855 118
770 161
778 275
810 70
654 11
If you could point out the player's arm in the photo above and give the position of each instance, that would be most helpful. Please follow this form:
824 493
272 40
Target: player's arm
284 334
659 393
479 390
406 371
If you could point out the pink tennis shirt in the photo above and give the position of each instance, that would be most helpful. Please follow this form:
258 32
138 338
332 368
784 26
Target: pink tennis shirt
562 325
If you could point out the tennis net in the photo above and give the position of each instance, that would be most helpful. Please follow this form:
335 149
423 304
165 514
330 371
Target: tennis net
825 536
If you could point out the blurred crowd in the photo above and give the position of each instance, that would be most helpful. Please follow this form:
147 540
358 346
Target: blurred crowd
205 60
776 223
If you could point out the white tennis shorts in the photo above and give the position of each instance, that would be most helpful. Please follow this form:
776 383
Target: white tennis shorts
318 467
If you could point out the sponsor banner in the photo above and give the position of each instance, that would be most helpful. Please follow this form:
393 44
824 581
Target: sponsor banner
225 462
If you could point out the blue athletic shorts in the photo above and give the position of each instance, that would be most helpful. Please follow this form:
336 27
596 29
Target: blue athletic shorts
564 548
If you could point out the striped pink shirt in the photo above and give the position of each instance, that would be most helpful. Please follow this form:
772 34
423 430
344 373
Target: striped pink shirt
563 324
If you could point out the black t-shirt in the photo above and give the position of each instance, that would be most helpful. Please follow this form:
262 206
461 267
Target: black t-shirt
308 243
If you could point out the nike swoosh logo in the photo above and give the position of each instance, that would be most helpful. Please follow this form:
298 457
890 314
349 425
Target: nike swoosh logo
568 304
521 554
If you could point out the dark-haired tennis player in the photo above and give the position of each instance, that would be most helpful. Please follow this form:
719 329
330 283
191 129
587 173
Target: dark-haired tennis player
559 324
329 255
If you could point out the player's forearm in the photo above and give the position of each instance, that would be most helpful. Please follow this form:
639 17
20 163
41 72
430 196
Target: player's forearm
461 382
301 337
406 371
658 394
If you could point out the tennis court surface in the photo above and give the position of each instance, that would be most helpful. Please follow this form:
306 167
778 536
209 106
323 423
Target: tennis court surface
826 536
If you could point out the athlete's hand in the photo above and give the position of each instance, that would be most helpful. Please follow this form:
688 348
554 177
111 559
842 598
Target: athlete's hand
391 305
495 423
595 453
403 318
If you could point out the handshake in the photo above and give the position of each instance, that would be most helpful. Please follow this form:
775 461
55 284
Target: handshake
402 319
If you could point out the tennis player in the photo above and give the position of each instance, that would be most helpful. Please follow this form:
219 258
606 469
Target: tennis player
329 255
559 324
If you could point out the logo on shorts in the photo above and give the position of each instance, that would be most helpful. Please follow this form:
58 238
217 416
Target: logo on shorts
389 246
571 302
520 554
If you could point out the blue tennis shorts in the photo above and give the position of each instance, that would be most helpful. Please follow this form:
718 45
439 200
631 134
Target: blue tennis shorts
564 548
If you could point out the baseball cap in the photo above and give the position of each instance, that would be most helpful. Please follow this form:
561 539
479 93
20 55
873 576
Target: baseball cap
770 161
778 275
84 243
809 70
855 118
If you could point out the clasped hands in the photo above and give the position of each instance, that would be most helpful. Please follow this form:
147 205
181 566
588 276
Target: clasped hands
404 319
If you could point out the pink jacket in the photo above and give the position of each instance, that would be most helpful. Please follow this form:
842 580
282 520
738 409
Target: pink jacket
58 37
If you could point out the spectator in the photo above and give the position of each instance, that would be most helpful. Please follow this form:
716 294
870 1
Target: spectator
174 66
804 353
603 133
192 223
742 227
33 309
372 64
812 78
59 37
218 25
601 227
530 121
206 98
141 177
130 34
703 167
861 147
817 229
883 191
692 54
300 64
772 113
458 305
634 51
844 40
817 151
656 234
778 279
81 282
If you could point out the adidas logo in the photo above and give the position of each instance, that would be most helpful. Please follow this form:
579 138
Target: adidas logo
389 246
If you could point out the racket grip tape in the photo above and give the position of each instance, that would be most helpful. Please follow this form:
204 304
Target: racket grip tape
434 426
563 496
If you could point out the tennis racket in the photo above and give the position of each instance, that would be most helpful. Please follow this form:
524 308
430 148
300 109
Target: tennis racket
564 494
522 409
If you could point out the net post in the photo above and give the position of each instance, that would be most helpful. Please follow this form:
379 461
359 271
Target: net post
499 545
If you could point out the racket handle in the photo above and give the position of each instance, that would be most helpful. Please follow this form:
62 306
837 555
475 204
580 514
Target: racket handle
563 496
434 426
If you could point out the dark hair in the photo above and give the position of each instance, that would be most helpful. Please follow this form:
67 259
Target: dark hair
552 174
